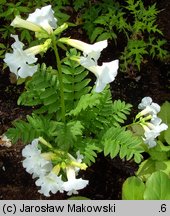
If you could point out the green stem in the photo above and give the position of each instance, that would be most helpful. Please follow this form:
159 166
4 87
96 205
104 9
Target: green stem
126 126
63 112
139 121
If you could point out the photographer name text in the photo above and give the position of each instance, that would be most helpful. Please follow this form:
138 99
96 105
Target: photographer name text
59 208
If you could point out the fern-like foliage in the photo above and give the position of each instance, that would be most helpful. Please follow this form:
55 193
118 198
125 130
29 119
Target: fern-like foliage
89 147
62 136
120 112
93 123
117 141
67 135
133 54
144 17
26 131
42 90
97 111
22 131
75 80
110 24
156 48
90 153
86 101
107 19
78 4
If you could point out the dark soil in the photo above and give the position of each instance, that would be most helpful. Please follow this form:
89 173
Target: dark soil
105 176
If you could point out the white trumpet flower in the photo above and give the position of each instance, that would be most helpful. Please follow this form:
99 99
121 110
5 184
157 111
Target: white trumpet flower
20 61
105 73
44 17
73 184
154 127
50 183
92 51
34 163
41 19
148 107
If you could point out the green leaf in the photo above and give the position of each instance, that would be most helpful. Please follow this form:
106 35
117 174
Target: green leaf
167 135
22 131
157 154
78 4
67 135
75 128
133 189
47 93
25 34
88 100
75 80
157 187
164 115
112 148
120 110
2 46
50 100
81 85
90 152
146 168
102 20
138 158
105 36
97 31
163 166
117 140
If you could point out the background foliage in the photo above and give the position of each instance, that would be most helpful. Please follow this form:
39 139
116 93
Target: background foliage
131 20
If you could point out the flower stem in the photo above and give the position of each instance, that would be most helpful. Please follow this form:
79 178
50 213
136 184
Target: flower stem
60 78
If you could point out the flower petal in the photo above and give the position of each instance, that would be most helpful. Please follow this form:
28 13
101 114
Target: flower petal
19 61
105 74
148 107
91 50
73 184
26 70
146 101
34 163
50 182
44 17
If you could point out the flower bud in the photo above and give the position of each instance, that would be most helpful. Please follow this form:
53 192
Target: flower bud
39 48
